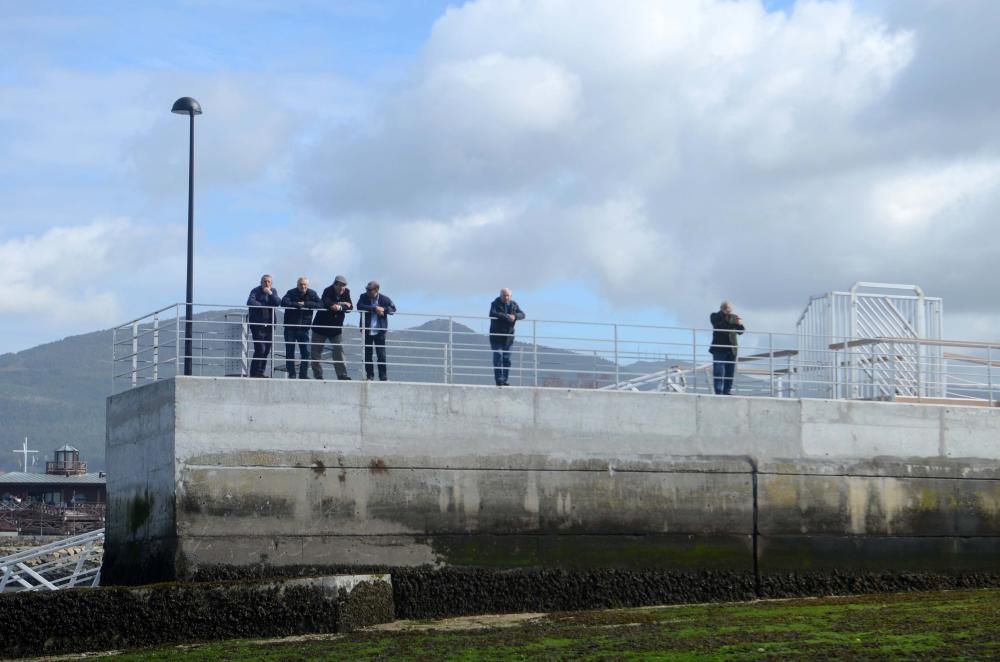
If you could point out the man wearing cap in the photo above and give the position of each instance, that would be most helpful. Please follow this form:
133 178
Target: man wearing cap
375 309
299 304
329 327
261 304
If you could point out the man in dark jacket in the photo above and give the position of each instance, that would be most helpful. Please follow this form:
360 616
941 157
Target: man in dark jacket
504 313
329 326
262 302
375 309
299 304
727 327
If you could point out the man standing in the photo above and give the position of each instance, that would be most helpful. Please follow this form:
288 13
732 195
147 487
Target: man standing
727 327
299 304
262 302
375 309
504 313
329 327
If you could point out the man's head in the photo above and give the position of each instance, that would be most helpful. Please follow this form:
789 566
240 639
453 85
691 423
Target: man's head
339 283
505 295
302 283
372 288
726 307
266 280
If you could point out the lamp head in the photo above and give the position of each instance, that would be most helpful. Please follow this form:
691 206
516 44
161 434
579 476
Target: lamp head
186 106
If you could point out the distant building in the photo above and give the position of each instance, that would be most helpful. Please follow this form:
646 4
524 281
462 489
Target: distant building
65 482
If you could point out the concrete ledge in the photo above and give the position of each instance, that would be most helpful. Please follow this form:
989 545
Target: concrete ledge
103 619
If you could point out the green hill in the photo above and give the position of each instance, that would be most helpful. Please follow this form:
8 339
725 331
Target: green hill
55 394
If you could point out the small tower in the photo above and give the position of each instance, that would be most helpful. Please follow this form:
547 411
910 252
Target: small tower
67 463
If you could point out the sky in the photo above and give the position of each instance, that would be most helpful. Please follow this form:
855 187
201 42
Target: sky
634 161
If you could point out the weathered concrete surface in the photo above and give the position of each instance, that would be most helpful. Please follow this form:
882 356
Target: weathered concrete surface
273 474
140 513
108 618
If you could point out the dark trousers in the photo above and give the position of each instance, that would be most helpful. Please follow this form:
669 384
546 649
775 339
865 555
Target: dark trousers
297 335
336 347
376 342
262 336
723 370
501 344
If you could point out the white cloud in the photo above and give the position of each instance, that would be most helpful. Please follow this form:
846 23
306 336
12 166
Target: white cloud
924 194
682 152
73 275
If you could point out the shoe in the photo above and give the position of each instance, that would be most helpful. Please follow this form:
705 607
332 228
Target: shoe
383 379
344 378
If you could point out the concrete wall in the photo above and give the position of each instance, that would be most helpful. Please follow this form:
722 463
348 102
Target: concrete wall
359 475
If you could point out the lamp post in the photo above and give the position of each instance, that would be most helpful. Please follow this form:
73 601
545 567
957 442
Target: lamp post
190 107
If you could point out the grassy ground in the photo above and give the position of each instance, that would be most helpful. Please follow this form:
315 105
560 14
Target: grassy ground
958 624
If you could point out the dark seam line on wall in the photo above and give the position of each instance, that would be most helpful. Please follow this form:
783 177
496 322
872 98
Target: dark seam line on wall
756 530
584 470
901 476
368 467
870 536
478 534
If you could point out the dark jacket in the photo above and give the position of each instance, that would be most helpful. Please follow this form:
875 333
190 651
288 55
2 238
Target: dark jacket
333 318
499 324
726 332
296 314
262 305
366 306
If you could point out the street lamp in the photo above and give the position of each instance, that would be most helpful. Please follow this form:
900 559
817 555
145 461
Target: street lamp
190 107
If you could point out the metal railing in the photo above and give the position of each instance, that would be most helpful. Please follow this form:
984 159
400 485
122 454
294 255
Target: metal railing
74 561
455 349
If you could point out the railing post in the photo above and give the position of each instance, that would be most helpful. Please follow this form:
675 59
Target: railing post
135 351
114 356
520 366
694 361
770 359
156 347
534 345
617 378
892 371
177 340
989 372
450 362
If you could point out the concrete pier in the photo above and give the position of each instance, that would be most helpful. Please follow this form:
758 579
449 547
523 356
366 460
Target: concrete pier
267 474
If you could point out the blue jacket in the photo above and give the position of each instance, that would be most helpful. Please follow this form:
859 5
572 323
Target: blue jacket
263 313
296 314
366 306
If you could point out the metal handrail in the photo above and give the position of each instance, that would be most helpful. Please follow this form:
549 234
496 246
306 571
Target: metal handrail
608 355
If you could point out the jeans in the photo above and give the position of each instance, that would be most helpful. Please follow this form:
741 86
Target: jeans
723 371
376 342
319 340
501 344
297 335
262 336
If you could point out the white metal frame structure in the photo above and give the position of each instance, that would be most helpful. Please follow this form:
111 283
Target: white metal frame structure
861 344
74 561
